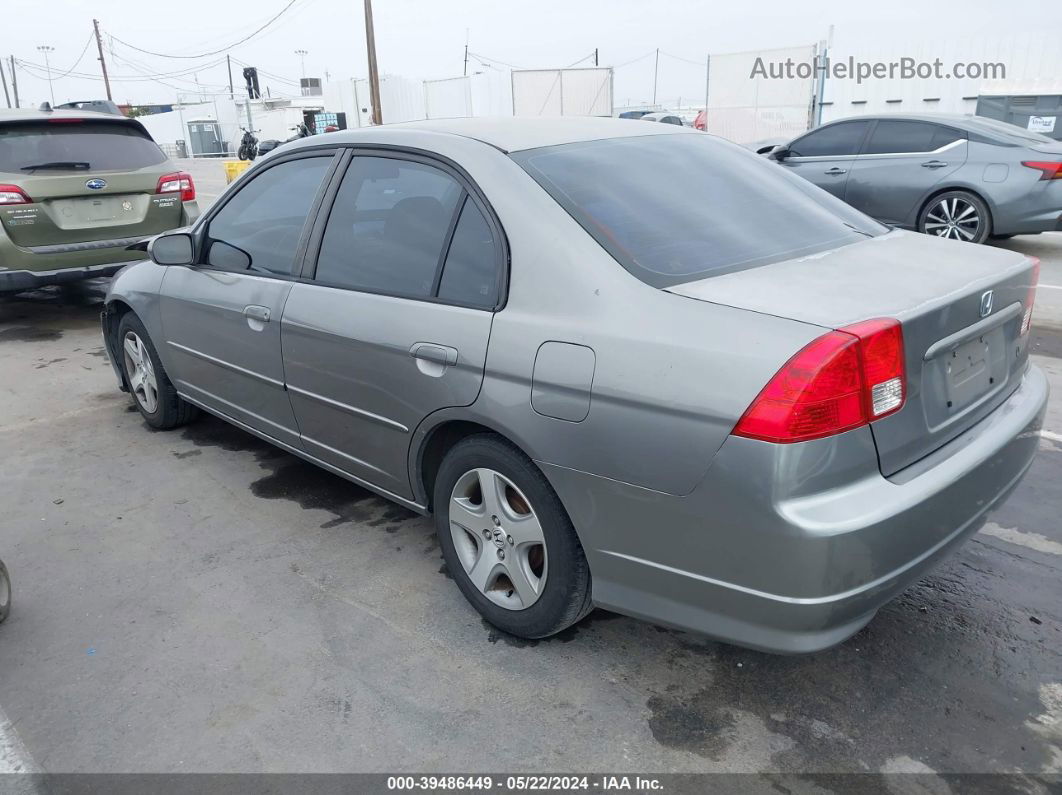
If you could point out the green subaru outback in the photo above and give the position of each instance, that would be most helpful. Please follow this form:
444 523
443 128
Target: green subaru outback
77 188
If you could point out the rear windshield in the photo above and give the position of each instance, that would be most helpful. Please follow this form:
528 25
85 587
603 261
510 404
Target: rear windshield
105 146
676 208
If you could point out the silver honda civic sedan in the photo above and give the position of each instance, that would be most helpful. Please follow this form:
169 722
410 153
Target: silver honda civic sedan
624 365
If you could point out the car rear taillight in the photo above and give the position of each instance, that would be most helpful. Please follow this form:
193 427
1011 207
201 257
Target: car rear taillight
13 194
1030 298
840 381
1047 169
178 181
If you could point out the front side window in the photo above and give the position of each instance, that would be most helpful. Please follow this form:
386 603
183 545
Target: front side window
391 227
896 137
259 228
835 140
675 208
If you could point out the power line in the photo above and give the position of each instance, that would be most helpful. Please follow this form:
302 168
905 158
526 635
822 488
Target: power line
680 58
78 61
246 38
634 60
493 60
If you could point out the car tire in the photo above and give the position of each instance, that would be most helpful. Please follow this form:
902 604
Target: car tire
153 393
5 592
507 540
956 215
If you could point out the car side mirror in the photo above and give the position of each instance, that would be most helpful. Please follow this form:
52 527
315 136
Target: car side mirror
173 249
779 153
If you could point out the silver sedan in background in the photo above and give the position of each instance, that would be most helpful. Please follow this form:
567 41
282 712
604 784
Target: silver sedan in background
960 177
630 365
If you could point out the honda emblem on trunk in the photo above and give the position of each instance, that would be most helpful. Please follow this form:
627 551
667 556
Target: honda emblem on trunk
986 303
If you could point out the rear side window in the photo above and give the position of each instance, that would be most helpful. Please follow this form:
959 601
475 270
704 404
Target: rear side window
909 136
675 208
470 273
388 227
104 146
259 228
834 140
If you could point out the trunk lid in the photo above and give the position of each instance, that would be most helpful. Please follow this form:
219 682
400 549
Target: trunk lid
961 361
124 166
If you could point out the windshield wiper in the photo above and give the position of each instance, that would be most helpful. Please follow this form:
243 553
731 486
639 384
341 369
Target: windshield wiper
58 164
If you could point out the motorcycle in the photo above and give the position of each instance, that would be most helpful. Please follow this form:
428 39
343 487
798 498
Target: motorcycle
248 145
301 131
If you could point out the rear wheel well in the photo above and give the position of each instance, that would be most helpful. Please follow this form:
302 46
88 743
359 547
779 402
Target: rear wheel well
952 189
439 442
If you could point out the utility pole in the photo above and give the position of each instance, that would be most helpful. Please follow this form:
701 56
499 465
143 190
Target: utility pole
707 83
656 67
374 75
595 56
103 63
3 79
228 63
14 82
302 58
466 53
45 48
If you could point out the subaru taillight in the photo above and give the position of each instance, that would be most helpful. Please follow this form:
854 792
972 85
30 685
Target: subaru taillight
840 381
179 181
1030 297
1048 169
13 194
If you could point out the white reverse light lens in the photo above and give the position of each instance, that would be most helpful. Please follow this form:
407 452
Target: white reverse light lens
886 396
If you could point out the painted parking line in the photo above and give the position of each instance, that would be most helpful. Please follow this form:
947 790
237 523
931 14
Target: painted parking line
14 758
1054 437
1012 535
1051 286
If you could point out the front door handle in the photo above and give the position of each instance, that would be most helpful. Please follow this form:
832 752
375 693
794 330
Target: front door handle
255 312
934 164
835 172
432 352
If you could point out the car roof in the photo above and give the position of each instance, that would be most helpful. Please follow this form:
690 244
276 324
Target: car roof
509 134
27 114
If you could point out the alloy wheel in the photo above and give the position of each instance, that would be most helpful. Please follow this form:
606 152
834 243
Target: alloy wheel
954 218
498 538
141 372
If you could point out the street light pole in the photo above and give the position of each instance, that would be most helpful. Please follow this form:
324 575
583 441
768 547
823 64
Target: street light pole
302 57
374 75
48 68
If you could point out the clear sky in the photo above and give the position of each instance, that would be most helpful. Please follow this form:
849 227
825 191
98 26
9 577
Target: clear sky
425 38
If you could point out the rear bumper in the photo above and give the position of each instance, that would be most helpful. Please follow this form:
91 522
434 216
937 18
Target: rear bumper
16 281
793 548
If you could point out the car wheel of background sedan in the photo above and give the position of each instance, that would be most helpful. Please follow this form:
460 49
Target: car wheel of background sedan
153 393
956 215
507 540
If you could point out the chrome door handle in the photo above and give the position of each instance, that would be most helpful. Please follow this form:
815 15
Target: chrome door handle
835 171
255 312
431 352
934 164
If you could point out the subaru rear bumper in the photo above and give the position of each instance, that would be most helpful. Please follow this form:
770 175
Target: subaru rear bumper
12 281
793 548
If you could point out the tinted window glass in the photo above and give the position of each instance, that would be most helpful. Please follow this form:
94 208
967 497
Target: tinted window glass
264 219
388 226
470 273
674 208
836 139
104 146
908 136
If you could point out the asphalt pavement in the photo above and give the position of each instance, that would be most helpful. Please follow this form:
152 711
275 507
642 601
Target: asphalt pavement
199 601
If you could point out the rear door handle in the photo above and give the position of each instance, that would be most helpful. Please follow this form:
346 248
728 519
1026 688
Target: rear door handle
934 164
836 171
255 312
431 352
